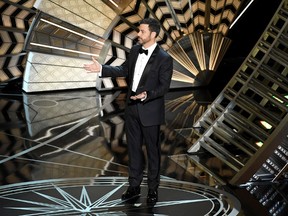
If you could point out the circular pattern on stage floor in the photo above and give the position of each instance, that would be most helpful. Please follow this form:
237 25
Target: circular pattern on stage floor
102 196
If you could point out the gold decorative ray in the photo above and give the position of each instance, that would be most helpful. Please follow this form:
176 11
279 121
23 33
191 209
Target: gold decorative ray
219 47
178 76
197 43
178 53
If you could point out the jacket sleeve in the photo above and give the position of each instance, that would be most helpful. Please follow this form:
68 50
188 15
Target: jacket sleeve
122 70
115 71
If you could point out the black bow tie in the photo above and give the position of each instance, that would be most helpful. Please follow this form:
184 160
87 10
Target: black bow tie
143 51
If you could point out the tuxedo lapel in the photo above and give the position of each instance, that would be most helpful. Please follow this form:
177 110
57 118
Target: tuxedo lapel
134 56
147 69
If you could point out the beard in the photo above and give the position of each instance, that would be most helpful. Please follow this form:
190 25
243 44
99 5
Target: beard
142 41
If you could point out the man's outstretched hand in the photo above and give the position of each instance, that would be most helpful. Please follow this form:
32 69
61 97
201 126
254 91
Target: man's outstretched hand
95 66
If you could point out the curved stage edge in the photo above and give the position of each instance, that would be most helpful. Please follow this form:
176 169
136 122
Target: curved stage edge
102 196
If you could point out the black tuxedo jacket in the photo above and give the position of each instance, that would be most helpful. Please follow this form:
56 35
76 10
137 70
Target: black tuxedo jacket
155 81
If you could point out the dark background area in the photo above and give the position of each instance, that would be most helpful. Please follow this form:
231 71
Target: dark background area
244 35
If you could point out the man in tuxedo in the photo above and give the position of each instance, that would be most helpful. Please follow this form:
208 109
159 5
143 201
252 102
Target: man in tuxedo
148 70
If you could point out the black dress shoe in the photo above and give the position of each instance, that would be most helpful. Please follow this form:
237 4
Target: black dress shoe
152 197
131 193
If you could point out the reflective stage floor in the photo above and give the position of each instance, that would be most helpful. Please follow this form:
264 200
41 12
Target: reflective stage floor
64 153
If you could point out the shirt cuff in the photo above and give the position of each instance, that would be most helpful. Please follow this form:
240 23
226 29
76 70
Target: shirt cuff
142 99
100 71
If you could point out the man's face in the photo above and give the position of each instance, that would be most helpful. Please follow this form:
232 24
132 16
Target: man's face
144 34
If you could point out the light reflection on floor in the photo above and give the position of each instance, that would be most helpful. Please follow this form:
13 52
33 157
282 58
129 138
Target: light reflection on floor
67 135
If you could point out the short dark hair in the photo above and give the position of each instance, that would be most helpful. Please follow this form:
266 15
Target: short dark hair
153 24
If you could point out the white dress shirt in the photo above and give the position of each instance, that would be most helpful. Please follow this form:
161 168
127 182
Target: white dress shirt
140 66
